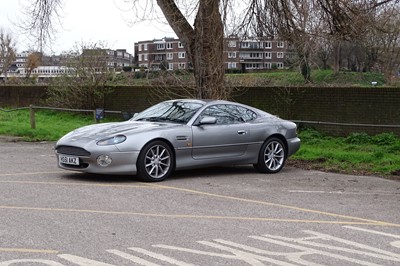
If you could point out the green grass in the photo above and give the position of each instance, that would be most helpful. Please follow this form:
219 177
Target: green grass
50 125
318 77
355 154
358 153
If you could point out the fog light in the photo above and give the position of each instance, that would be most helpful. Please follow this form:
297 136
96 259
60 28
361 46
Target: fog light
104 160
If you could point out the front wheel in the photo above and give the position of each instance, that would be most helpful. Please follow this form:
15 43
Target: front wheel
155 161
271 157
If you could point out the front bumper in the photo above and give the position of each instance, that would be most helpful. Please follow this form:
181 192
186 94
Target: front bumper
123 163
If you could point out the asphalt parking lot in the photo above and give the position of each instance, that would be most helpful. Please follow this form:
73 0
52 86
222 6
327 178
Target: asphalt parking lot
216 216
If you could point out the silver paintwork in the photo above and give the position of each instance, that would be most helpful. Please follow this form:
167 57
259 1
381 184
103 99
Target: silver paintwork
198 142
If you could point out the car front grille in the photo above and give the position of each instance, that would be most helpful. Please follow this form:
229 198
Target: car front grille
71 150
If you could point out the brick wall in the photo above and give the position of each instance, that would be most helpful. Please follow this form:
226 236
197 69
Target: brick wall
354 105
21 96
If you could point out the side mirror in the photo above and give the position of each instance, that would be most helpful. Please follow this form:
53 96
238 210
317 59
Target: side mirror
207 120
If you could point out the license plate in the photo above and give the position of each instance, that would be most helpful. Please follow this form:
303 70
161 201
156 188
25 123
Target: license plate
69 160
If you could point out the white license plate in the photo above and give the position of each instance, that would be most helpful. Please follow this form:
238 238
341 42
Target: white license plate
69 160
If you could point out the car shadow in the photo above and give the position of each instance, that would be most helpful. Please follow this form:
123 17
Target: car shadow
181 174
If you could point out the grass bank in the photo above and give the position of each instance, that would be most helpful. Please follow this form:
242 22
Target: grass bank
355 154
318 78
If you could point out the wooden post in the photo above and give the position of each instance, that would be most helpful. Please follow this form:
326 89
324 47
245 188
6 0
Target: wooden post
32 116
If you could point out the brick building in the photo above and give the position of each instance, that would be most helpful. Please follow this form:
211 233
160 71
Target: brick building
243 55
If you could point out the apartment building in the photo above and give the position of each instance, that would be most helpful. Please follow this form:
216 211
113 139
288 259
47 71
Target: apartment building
166 53
55 65
242 55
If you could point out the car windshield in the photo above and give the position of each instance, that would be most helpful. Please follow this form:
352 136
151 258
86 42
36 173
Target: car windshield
175 112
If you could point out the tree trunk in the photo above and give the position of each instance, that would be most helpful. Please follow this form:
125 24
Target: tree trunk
203 43
208 52
336 57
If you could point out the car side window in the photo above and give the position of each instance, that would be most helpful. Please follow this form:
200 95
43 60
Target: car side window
229 114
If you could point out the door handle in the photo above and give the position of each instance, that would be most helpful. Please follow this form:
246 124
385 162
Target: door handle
242 132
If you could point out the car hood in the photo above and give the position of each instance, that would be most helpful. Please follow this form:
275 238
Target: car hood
100 131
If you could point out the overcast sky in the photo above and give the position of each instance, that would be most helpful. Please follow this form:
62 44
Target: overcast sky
88 21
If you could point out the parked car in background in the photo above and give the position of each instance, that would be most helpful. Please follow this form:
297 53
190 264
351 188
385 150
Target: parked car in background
180 134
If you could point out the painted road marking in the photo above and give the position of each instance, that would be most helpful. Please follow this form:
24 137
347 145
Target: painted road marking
33 173
25 250
311 248
355 220
278 205
139 185
344 192
191 216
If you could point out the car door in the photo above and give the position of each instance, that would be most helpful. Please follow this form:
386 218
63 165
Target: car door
223 134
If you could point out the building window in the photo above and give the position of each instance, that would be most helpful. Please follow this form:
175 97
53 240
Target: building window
170 56
181 55
140 47
231 65
268 45
252 66
280 65
280 45
181 65
268 55
145 57
160 46
268 65
145 46
169 45
139 57
279 55
158 57
232 55
232 44
170 66
180 45
254 55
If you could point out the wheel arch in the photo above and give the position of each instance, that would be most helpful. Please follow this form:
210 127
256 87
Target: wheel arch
167 142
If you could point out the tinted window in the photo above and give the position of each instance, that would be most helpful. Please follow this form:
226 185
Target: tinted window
229 114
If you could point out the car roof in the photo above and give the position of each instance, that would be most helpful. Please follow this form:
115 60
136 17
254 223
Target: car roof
202 101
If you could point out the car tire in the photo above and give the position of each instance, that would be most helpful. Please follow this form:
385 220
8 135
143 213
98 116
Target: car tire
155 162
272 156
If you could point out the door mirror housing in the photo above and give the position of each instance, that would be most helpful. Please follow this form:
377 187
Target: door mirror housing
207 120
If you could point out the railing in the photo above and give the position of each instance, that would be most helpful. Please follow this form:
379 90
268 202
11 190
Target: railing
342 124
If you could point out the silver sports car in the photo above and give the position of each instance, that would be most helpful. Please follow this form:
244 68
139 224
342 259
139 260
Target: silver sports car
180 134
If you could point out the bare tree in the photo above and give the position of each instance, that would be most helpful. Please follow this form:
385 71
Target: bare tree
293 21
200 24
383 41
301 22
83 83
7 52
352 21
33 61
39 21
203 41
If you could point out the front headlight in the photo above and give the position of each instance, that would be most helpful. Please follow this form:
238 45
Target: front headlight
112 141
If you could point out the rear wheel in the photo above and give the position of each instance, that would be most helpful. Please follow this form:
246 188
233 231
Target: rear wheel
155 161
272 156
